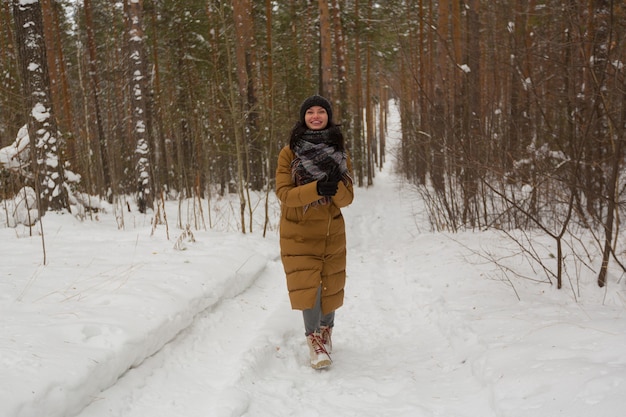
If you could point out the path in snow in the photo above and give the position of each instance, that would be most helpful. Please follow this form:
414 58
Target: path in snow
247 356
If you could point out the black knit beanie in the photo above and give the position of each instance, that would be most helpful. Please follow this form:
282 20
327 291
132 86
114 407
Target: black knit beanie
316 101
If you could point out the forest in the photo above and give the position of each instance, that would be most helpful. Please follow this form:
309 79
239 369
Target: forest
513 112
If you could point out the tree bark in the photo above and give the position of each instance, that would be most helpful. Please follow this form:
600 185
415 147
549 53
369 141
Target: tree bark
106 187
357 100
370 150
139 106
47 168
326 64
341 91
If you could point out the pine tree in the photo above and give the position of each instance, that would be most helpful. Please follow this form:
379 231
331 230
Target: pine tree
42 130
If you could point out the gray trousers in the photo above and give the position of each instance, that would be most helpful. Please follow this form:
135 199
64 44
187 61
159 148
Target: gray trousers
313 317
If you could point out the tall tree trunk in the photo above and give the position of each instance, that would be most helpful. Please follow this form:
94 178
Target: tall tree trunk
518 110
418 95
47 167
341 92
239 103
138 102
383 94
370 150
106 188
326 64
357 100
439 121
472 134
69 126
160 148
246 67
616 131
11 117
59 88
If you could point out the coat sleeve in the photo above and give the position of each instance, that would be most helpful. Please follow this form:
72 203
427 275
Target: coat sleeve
288 193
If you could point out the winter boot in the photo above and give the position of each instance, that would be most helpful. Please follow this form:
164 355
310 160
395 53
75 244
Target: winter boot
319 356
326 333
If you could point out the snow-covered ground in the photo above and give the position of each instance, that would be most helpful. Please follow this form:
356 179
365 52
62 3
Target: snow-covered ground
120 323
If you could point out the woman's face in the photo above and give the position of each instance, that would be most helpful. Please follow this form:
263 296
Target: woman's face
316 118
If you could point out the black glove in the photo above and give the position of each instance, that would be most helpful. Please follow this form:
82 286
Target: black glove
327 188
334 175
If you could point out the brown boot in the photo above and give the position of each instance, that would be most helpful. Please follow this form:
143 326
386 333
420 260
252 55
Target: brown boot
326 334
319 356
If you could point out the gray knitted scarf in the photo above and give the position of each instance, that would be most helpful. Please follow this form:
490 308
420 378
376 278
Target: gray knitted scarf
318 159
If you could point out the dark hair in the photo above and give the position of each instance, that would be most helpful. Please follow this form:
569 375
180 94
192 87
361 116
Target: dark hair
335 135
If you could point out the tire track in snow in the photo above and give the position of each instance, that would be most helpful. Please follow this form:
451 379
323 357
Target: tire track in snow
193 374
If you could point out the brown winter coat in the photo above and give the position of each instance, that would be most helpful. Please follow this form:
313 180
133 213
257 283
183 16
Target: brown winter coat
312 243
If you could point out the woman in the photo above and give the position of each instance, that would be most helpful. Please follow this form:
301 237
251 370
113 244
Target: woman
313 183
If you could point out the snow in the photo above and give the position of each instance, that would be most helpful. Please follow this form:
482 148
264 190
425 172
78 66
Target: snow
10 156
40 112
121 323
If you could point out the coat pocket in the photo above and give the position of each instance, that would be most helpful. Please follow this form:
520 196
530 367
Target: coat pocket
293 214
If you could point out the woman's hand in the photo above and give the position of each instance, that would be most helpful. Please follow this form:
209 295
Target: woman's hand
327 188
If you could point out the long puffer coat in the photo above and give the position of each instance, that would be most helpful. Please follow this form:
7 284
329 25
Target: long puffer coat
312 243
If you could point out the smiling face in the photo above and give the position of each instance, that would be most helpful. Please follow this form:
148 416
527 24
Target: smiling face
316 118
